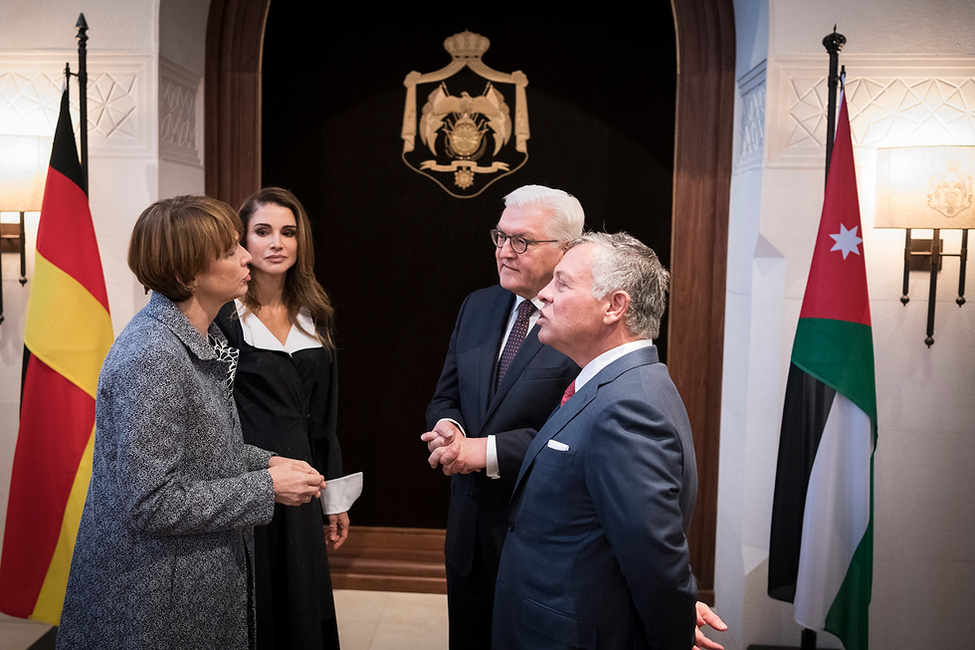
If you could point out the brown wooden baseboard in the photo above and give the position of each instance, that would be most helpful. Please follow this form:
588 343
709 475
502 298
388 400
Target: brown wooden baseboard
376 558
390 559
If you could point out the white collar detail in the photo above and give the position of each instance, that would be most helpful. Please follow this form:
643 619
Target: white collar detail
593 367
259 336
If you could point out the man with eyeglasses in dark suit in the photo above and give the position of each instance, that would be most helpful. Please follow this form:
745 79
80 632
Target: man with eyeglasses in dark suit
493 395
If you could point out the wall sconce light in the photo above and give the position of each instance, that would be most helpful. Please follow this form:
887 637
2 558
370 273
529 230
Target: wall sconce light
929 188
23 170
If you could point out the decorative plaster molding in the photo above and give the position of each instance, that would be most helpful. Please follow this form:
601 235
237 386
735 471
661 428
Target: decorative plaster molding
893 101
180 114
751 132
118 93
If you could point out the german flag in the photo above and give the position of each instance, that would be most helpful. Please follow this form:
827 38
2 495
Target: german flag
68 332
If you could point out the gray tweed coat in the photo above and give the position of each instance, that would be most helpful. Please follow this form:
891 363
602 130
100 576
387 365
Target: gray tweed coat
164 555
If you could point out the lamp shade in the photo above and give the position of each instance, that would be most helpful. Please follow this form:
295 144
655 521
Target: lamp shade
23 170
925 187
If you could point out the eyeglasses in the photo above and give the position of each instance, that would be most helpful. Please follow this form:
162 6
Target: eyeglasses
518 243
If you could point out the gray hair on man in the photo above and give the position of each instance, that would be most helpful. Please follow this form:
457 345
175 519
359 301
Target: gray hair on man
624 263
568 218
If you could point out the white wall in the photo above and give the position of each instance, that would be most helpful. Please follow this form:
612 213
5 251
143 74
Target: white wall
145 118
924 571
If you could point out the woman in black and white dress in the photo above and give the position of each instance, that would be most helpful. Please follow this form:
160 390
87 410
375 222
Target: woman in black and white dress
286 396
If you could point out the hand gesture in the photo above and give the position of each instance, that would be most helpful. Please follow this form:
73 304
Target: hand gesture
706 617
295 481
337 530
442 434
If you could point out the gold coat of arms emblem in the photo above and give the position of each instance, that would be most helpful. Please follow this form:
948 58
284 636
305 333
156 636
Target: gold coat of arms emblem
468 135
951 191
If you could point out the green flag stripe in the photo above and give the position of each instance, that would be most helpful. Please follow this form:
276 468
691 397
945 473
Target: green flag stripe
839 354
847 617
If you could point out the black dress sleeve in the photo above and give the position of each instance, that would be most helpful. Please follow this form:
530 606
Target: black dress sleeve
326 454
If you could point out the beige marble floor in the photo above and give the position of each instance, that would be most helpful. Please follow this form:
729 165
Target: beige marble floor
368 620
379 620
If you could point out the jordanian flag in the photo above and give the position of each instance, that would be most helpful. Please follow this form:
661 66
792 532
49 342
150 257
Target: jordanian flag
821 547
68 332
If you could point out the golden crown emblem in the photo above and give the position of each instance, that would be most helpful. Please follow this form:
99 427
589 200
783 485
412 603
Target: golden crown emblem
466 45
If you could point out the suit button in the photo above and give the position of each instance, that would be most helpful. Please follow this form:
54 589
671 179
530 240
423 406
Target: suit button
511 527
470 495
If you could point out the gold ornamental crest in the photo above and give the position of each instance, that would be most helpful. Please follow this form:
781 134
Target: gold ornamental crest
465 126
951 191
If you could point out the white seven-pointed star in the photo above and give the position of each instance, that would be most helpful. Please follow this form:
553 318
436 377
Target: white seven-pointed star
846 241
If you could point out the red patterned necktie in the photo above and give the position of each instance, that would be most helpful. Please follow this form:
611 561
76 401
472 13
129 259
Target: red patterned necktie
569 392
517 336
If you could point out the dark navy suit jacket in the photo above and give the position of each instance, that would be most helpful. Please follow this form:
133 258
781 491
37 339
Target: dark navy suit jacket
531 389
596 556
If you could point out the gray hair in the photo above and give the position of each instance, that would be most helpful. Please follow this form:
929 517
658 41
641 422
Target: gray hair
624 263
567 216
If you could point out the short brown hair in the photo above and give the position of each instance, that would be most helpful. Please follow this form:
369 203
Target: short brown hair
174 240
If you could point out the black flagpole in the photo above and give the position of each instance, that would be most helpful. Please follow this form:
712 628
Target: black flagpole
833 43
82 26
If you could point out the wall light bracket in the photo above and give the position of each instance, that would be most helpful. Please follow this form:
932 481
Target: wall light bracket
927 188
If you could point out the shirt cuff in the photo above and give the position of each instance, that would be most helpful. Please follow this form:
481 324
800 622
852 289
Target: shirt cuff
492 469
455 423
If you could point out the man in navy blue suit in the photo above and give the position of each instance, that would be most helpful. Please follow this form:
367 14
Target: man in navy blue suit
596 554
494 392
482 420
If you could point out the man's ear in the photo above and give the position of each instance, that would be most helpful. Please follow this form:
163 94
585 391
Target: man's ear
619 302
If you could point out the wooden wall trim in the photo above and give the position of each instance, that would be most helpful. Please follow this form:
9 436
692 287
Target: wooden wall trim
399 559
699 245
390 559
232 120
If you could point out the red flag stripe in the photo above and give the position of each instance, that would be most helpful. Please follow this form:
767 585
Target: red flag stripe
837 285
44 469
66 237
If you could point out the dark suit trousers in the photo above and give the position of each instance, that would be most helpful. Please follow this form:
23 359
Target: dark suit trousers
470 604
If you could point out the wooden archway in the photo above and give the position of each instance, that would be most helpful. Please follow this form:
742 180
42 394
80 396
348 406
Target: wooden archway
702 180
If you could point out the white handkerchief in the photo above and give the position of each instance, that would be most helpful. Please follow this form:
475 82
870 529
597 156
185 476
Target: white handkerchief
557 446
341 493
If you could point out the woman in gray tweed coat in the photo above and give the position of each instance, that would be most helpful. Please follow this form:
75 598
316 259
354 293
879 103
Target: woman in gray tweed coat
164 554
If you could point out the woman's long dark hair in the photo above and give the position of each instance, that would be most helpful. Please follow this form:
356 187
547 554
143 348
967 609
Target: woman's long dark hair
301 288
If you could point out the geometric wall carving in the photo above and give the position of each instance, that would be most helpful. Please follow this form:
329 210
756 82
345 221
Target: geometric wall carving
180 114
112 105
118 88
893 101
29 102
751 126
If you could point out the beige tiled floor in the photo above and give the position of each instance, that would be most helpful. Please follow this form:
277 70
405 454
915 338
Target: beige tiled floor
368 620
18 633
379 620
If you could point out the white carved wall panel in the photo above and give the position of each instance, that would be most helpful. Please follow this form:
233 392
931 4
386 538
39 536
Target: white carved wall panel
893 101
180 114
751 131
118 93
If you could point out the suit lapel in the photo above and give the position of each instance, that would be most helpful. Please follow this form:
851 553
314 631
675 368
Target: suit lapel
556 422
564 414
